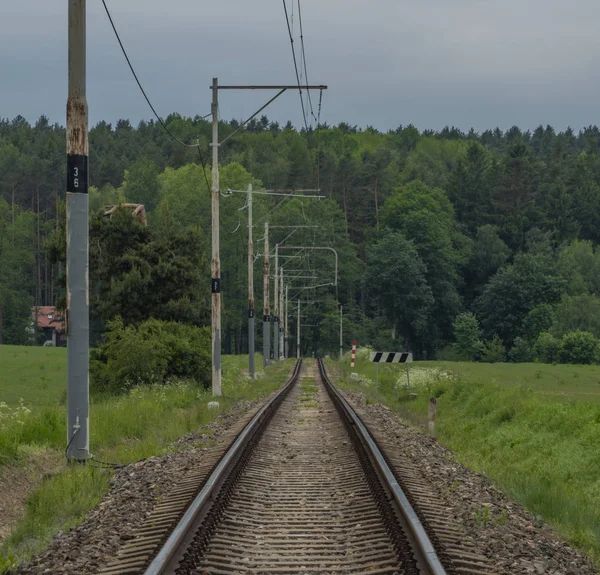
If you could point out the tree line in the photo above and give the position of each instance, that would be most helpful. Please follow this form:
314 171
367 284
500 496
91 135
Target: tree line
495 233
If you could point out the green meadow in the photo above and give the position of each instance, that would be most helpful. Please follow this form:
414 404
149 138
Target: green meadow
38 375
567 381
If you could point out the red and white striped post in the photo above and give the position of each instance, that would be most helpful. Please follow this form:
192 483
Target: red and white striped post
353 354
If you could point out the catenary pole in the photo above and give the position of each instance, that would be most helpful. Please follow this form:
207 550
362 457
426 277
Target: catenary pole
216 257
341 331
266 311
287 339
250 288
298 333
77 312
215 261
281 312
276 307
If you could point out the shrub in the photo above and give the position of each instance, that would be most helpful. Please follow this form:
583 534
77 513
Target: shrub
493 350
467 332
150 353
538 320
520 351
578 347
546 348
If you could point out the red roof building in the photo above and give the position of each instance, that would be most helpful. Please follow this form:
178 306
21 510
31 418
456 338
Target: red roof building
49 318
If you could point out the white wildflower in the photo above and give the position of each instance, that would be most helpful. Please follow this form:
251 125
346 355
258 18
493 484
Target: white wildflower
422 377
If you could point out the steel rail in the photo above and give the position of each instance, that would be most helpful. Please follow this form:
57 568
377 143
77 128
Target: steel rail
169 549
421 537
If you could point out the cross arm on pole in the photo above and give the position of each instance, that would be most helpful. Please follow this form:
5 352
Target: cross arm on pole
281 192
310 248
272 227
273 87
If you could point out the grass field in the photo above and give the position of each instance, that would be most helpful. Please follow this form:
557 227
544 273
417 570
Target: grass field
123 429
38 375
575 381
534 429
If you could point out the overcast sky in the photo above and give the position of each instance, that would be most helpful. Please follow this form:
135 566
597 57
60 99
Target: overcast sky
480 63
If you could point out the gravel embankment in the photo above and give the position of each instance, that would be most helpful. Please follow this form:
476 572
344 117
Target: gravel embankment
514 541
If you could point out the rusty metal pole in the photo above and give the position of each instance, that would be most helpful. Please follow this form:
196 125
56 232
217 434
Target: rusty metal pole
216 256
276 307
77 312
250 288
267 311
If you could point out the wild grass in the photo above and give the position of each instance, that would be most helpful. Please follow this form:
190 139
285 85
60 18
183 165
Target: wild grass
541 447
123 429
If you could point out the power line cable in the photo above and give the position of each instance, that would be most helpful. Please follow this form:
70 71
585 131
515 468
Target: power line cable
264 218
318 160
287 20
139 83
161 122
304 61
320 102
208 186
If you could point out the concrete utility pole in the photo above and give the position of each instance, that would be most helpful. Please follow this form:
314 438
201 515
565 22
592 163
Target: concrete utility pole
276 307
77 313
278 327
216 260
216 255
282 311
267 311
250 288
341 331
287 340
298 333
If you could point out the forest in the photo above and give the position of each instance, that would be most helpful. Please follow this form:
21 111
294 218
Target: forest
451 244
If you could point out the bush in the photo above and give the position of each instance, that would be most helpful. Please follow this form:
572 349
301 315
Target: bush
578 347
150 353
493 350
546 348
467 332
520 351
538 320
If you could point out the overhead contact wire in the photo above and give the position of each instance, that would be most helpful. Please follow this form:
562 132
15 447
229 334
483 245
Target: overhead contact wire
160 120
287 20
304 62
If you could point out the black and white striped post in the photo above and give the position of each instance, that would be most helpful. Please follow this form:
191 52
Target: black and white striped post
378 357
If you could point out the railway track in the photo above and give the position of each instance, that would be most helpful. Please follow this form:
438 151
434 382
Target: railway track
305 490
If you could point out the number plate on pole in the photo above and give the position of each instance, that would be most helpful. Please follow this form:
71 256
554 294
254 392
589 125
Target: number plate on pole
77 174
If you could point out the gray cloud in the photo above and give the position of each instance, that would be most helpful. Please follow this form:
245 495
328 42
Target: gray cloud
478 63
